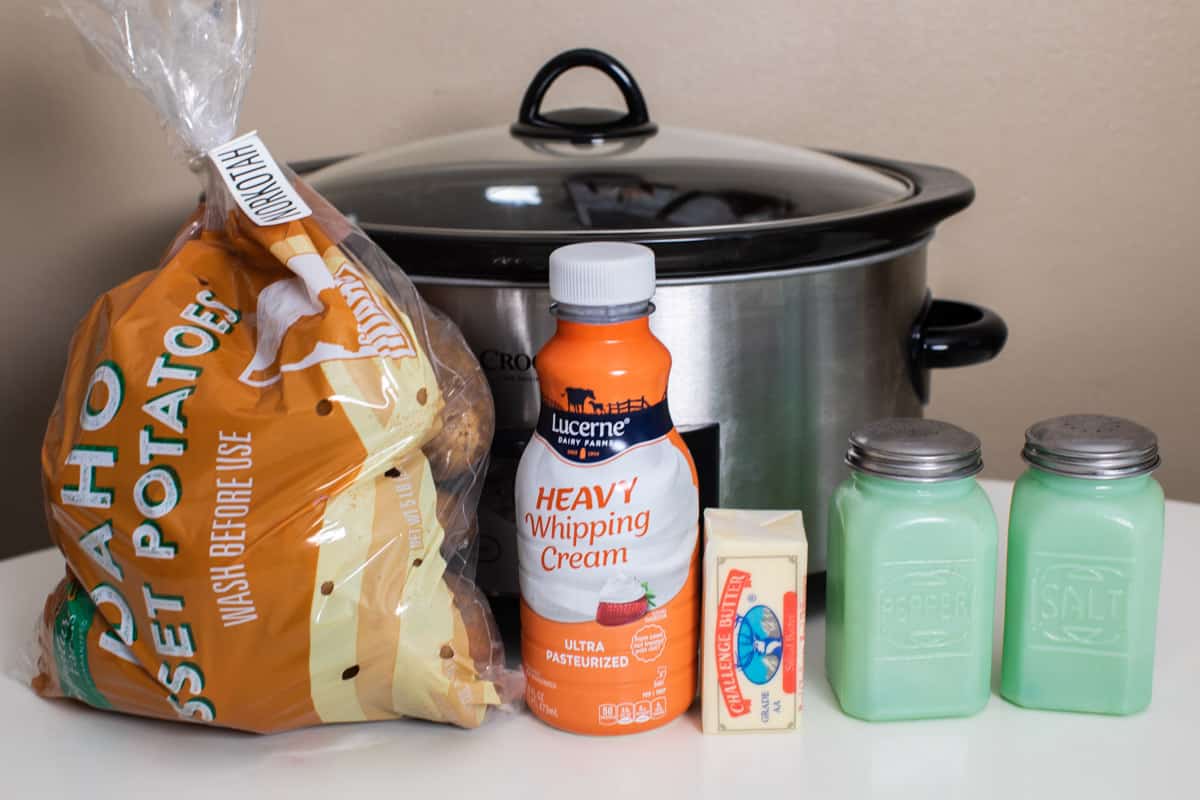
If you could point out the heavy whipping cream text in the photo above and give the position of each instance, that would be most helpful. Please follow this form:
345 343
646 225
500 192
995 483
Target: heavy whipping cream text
586 543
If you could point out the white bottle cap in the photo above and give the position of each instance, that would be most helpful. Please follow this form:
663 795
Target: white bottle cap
602 274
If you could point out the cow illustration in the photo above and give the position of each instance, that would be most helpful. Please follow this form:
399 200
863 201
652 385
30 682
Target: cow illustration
577 397
597 408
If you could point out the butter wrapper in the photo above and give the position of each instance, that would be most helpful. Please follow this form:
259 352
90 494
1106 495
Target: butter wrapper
755 565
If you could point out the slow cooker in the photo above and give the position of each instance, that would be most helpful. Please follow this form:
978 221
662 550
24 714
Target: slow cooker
791 282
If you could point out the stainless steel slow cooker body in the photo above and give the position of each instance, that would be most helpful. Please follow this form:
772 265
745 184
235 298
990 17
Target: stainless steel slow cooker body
784 364
792 285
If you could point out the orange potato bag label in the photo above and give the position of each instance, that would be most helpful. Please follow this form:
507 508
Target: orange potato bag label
214 474
606 508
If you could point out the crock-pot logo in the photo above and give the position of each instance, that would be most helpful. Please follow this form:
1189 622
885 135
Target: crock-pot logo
500 361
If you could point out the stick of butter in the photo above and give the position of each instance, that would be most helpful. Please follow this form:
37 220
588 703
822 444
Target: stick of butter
755 563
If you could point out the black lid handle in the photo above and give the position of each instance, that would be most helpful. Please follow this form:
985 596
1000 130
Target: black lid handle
583 124
949 333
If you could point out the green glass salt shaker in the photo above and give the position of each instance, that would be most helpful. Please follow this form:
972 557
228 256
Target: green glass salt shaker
910 591
1085 543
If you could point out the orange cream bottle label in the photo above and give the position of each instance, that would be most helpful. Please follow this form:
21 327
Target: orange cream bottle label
607 521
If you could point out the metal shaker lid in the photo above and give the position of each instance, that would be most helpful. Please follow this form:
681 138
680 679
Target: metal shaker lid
1091 446
915 450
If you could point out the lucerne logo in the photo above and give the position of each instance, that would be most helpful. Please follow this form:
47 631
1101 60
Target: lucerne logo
590 429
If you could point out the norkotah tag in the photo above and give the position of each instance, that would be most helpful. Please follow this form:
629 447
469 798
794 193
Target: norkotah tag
256 182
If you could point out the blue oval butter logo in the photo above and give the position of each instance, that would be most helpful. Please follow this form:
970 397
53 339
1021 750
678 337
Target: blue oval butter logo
759 644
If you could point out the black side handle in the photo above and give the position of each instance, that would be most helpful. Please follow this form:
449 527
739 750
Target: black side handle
949 333
583 124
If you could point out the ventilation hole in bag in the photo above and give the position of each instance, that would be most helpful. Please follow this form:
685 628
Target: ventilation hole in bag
447 652
327 587
203 281
350 672
422 396
392 473
324 408
418 562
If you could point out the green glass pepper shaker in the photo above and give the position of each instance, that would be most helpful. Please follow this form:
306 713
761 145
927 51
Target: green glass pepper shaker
1085 543
911 574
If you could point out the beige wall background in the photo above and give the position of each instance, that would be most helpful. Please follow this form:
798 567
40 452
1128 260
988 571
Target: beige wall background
1079 123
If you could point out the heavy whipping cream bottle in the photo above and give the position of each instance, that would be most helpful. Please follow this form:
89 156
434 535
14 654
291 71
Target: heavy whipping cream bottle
607 509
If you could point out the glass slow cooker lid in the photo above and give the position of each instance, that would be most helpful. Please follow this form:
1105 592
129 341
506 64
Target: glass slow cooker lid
492 203
492 180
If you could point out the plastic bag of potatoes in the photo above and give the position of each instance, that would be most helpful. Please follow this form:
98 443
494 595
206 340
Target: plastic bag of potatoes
263 467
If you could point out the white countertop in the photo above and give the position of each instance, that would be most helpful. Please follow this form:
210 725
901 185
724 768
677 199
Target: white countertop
56 749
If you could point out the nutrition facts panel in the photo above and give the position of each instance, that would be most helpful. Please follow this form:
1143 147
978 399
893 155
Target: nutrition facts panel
653 705
62 749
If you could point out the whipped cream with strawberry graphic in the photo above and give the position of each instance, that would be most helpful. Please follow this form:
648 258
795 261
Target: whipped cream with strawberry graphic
623 600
